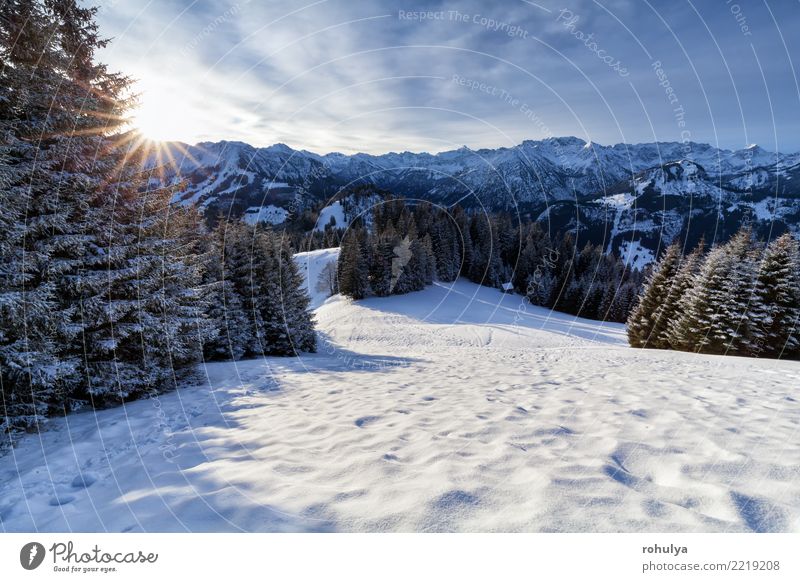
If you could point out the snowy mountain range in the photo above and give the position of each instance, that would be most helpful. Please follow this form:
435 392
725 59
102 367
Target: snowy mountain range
634 198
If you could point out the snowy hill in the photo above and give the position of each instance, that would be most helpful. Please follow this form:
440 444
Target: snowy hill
455 408
319 273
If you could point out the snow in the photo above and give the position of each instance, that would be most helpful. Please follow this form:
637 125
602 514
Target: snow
635 255
764 209
689 168
335 210
311 265
623 200
456 408
272 185
271 214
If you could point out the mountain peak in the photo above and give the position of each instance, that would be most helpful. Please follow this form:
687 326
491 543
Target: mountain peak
569 140
279 147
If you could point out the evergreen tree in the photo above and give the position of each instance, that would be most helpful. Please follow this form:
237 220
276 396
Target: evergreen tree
485 267
56 111
669 310
464 237
736 308
289 323
233 335
353 266
648 320
446 248
427 260
140 304
380 265
623 302
776 304
273 298
714 311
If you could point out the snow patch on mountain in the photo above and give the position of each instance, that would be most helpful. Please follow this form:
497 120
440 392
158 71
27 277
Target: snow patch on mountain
635 255
265 214
334 211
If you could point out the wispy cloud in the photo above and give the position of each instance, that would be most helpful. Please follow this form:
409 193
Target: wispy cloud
336 75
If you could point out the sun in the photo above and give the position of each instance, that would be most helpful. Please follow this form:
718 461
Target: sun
161 117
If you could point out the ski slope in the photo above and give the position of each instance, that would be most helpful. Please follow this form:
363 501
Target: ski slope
456 408
312 266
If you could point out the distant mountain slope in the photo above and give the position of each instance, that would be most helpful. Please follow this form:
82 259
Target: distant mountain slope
630 196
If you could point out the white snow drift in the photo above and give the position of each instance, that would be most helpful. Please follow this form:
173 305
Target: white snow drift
454 408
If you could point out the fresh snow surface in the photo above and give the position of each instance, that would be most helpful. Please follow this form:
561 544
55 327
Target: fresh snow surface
635 255
335 210
270 214
446 409
312 265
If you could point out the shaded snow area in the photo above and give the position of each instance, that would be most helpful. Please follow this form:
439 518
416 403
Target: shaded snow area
447 409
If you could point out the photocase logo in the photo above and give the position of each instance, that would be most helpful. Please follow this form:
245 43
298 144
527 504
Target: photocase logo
402 255
31 555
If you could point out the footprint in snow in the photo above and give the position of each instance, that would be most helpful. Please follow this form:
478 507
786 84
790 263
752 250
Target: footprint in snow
84 480
365 420
61 500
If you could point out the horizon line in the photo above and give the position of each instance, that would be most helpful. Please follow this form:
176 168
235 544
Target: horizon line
472 149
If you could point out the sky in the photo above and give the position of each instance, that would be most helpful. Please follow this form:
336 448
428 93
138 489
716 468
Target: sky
379 76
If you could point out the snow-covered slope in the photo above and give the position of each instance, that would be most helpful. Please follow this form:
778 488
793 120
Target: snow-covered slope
455 408
319 272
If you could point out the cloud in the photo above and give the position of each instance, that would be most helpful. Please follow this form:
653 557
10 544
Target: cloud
337 75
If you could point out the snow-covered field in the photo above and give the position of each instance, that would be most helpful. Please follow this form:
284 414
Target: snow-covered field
446 409
312 266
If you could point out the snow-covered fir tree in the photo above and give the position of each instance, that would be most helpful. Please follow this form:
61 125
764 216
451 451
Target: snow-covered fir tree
353 266
101 295
270 288
649 318
669 310
232 336
446 247
698 326
775 307
56 109
736 309
732 304
140 304
288 323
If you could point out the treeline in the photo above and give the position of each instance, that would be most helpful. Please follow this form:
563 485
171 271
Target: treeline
313 240
740 298
254 295
406 247
107 291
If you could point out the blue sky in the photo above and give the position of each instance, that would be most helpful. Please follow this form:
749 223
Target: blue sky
336 75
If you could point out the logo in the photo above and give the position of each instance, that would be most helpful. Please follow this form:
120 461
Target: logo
402 256
31 555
